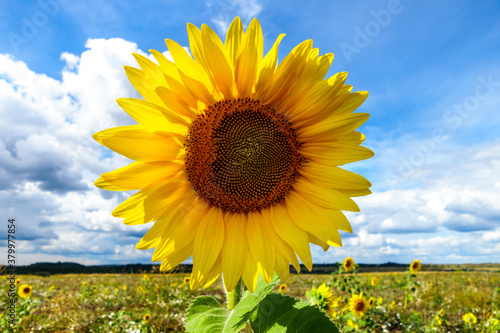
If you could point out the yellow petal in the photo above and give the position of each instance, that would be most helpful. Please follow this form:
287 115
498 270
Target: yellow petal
267 68
324 197
289 231
166 66
262 251
336 153
250 273
138 175
137 144
192 73
333 126
315 240
312 219
207 245
248 59
218 61
143 84
234 250
339 220
234 37
173 103
333 177
176 257
158 202
282 268
214 273
352 102
281 246
185 221
153 117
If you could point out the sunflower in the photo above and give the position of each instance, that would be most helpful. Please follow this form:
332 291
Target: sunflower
348 264
371 302
283 288
236 157
374 281
358 305
469 318
415 266
25 290
18 282
145 277
323 298
146 317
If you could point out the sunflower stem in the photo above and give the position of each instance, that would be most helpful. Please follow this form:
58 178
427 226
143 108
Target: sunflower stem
234 296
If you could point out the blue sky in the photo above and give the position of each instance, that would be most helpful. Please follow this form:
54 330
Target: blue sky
432 70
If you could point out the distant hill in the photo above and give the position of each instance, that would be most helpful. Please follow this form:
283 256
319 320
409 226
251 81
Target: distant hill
48 268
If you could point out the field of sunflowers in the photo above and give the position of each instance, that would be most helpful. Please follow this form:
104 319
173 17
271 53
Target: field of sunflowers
411 301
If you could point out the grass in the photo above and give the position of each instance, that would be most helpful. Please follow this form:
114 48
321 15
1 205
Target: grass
119 302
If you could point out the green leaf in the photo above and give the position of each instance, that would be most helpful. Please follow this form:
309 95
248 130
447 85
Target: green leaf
206 315
278 313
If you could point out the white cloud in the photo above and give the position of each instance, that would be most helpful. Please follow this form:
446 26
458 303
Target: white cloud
224 12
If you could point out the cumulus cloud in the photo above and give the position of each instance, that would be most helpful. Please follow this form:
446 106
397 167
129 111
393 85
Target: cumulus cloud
446 211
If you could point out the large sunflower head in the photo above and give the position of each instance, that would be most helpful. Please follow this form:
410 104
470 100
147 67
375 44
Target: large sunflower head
415 266
237 158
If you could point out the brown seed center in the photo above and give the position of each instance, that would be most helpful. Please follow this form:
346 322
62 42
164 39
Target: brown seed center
360 306
242 155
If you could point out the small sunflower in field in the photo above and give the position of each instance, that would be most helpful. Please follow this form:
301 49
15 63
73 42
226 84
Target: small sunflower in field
358 305
18 282
371 302
323 298
187 279
85 284
140 289
283 288
469 318
146 317
415 266
348 264
25 290
51 288
145 277
124 287
238 158
393 305
174 285
441 313
374 281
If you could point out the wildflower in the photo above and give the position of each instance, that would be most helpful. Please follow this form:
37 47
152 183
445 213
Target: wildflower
379 301
124 287
415 266
393 305
358 305
371 302
283 288
146 317
18 282
469 318
25 290
374 281
187 279
220 153
51 288
323 298
85 284
348 264
145 277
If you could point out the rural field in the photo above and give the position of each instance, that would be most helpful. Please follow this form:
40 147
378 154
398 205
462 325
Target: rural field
464 300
